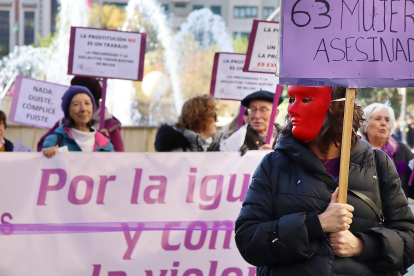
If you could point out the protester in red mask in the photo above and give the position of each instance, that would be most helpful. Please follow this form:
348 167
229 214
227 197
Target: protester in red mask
306 111
291 222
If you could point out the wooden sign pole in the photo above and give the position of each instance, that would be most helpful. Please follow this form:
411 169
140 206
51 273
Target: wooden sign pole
102 113
346 144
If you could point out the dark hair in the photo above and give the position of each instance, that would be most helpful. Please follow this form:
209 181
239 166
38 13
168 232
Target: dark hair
197 113
331 130
92 84
70 122
3 117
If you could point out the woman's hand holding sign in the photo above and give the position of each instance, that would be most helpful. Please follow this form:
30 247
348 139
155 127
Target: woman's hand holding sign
337 217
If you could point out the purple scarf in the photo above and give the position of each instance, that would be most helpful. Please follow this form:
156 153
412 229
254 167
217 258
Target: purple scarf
390 148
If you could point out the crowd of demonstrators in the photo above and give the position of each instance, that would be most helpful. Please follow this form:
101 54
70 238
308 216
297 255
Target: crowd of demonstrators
195 130
78 134
5 145
291 223
252 136
112 125
377 130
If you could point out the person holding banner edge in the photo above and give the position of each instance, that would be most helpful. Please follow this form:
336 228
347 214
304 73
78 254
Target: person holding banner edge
112 125
5 145
78 105
259 107
291 223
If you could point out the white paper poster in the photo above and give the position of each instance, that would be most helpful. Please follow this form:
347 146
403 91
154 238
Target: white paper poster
262 53
36 103
229 82
106 53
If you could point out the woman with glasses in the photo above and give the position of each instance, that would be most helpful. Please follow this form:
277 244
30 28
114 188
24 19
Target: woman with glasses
195 130
5 145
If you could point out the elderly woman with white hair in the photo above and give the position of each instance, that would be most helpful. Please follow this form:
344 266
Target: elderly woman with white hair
377 130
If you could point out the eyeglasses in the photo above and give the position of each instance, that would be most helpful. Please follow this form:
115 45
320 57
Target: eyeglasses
262 111
215 117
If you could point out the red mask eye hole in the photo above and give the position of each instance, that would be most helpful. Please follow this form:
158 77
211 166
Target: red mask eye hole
307 100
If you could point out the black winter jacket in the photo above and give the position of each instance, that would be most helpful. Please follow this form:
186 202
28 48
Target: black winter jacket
9 145
171 138
278 230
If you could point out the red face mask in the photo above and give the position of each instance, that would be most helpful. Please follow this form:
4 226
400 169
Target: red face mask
307 109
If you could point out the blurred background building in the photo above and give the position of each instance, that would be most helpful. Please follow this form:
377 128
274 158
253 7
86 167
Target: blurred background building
21 21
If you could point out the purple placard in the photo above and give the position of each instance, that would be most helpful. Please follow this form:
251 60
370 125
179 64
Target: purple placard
348 43
95 73
251 46
17 95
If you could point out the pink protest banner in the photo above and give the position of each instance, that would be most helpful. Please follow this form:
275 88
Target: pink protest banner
106 53
229 82
36 103
349 43
262 53
134 214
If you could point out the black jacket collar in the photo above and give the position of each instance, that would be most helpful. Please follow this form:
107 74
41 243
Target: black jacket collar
298 152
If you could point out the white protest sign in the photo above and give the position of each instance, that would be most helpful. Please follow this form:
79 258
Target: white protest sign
262 53
36 103
106 53
229 82
153 191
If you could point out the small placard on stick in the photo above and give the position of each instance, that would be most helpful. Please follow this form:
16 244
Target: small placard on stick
36 103
229 82
106 53
262 53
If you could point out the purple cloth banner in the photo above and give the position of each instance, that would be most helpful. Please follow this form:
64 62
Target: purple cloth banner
349 43
101 227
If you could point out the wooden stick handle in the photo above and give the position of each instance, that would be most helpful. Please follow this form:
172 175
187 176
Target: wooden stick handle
34 139
346 144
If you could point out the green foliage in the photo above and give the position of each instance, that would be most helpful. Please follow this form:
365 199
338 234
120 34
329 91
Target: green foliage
240 44
381 95
47 40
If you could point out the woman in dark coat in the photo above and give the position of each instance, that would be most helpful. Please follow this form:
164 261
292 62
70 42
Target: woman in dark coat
291 223
195 130
5 145
377 129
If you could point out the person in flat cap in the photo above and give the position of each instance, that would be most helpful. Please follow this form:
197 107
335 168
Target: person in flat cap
252 136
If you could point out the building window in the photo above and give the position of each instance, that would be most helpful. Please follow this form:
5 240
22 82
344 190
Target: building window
216 10
245 12
4 33
240 35
197 7
53 13
267 11
166 7
29 28
181 6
